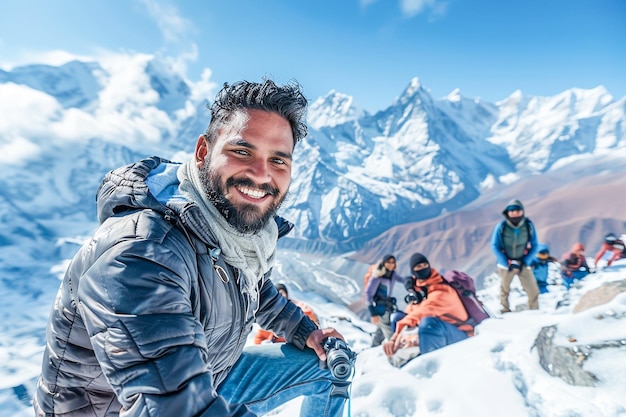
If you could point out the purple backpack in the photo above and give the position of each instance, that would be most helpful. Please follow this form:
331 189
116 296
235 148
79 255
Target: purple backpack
464 286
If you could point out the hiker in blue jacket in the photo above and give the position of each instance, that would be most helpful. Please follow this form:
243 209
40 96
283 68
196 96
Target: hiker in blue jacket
514 242
540 265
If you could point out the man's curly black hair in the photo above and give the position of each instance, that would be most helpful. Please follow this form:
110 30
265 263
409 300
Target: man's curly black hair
286 100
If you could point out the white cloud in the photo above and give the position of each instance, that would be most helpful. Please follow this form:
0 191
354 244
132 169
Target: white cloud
126 112
127 84
173 26
204 87
412 8
177 31
53 58
25 110
366 3
17 150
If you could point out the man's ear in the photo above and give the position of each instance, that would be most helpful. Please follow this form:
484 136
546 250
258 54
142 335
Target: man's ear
202 150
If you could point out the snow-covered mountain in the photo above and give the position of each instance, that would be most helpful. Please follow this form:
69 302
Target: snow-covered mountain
333 109
421 157
355 176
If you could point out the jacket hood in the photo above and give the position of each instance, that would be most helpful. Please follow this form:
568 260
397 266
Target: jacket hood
125 189
542 247
512 203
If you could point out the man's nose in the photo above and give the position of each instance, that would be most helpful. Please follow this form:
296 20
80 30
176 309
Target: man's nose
259 171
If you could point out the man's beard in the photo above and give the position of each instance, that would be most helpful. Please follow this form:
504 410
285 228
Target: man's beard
247 218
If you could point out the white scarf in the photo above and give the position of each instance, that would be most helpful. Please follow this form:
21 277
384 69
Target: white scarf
252 253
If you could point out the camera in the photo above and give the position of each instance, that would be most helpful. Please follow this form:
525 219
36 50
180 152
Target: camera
514 264
416 297
339 358
383 304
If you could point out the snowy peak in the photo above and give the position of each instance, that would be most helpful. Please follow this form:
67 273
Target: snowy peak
515 100
414 92
582 103
538 132
333 109
74 84
172 89
454 96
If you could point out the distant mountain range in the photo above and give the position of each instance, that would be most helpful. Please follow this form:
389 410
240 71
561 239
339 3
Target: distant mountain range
358 177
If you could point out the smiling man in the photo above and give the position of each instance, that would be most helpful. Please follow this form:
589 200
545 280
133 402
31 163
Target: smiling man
237 171
154 311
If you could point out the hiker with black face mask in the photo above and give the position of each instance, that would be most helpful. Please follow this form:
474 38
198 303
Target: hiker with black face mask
514 242
433 306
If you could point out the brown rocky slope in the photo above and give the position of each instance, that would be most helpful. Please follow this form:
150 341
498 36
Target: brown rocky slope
574 204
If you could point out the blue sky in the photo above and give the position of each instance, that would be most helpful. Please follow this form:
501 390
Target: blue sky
369 49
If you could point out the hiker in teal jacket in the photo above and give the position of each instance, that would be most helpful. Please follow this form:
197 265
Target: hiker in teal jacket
514 243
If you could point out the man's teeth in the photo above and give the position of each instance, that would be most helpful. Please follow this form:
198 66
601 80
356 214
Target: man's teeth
252 192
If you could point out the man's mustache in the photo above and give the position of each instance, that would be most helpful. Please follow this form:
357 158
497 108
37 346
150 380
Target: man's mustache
247 182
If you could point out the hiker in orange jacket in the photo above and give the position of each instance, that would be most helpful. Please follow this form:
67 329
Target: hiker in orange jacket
433 306
265 336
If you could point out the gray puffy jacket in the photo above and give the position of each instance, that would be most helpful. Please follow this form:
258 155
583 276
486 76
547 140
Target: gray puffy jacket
143 324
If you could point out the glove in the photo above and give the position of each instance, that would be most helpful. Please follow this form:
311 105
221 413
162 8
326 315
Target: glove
372 309
513 264
414 297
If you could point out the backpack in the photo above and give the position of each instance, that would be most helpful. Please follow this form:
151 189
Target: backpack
368 275
464 286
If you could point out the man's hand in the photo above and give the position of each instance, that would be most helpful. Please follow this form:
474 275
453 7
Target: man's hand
314 341
390 347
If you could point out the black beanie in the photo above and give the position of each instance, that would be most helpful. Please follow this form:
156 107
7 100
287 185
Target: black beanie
387 257
417 258
282 287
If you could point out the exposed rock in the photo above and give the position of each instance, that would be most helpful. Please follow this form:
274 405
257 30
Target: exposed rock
567 362
600 295
564 362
